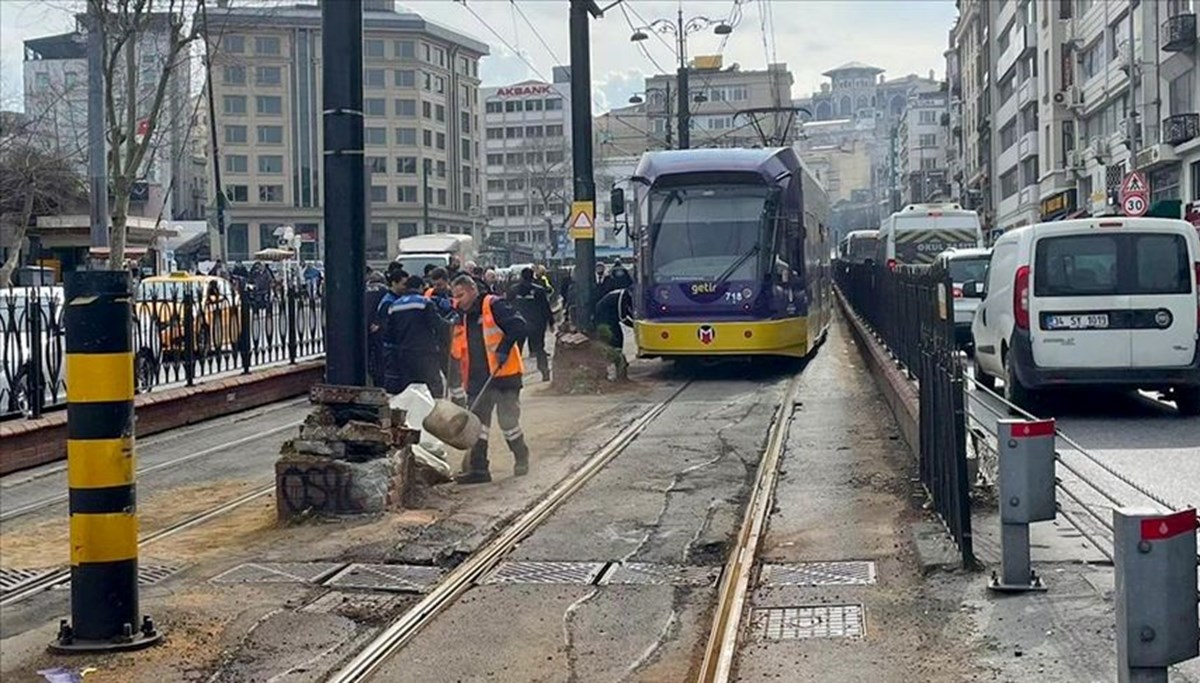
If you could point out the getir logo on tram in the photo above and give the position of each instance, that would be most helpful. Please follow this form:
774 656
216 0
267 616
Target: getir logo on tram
704 288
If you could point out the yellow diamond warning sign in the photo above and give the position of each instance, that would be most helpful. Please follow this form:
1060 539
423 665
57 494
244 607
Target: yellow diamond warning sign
583 220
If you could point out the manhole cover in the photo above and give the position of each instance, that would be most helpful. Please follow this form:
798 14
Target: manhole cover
545 572
642 573
812 621
407 578
16 579
352 605
150 574
819 574
279 572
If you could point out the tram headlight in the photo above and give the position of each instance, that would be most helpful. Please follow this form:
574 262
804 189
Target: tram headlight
662 294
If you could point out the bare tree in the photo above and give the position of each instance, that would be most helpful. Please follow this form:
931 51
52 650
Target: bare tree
548 174
33 181
157 32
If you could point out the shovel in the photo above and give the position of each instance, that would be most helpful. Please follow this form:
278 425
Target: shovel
455 425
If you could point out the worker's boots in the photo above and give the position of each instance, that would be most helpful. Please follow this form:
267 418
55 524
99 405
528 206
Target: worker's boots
520 456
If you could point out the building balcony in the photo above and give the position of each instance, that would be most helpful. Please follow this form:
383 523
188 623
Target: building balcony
1180 128
1179 33
1028 145
1026 93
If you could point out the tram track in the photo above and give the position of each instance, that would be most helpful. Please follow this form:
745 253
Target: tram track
63 576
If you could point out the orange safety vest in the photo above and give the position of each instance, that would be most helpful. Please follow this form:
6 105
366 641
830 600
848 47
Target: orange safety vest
492 336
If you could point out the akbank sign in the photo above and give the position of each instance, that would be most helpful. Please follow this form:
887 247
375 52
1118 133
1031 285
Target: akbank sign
525 90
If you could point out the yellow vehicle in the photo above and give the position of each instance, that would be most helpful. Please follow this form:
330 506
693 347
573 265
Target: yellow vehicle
164 319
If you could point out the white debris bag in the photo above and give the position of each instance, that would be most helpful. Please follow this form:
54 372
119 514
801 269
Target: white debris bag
433 469
417 403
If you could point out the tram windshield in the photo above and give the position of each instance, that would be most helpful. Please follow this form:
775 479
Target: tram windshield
707 232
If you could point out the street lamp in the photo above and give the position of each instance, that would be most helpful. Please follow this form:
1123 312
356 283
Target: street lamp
682 30
636 98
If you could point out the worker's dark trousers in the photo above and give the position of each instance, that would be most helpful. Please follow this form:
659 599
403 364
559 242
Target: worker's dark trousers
507 405
537 346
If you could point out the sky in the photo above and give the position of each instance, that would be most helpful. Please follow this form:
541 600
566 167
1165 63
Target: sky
528 37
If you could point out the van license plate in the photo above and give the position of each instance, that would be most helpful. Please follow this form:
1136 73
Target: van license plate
1078 322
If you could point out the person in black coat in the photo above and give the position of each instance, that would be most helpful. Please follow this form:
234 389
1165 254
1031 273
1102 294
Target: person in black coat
533 303
376 290
411 338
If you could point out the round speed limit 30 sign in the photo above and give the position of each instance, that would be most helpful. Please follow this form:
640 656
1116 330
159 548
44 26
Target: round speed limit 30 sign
1134 205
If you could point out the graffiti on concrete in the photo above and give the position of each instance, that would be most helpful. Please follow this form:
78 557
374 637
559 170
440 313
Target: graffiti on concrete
316 489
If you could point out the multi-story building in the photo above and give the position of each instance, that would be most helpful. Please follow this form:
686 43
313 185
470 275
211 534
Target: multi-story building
1078 94
527 133
921 145
422 131
55 72
623 132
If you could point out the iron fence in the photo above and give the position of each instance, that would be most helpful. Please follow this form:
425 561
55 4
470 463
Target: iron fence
183 332
912 313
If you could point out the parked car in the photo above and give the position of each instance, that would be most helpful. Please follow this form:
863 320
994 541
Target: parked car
1098 302
964 265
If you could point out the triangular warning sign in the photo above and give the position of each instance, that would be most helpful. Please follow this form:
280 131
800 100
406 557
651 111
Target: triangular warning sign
582 221
1134 182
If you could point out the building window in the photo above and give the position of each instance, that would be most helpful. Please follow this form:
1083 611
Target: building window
514 210
927 140
495 133
514 184
533 105
495 185
514 158
406 137
466 176
270 163
1118 36
238 236
235 75
266 235
1092 59
496 211
555 131
236 163
441 141
269 105
406 78
266 45
270 135
375 106
237 193
235 135
927 116
268 75
465 145
404 49
511 107
406 165
375 135
407 230
464 121
373 49
234 104
555 104
377 164
1182 95
440 113
426 138
495 160
377 238
534 131
406 194
233 44
1008 136
374 79
494 107
1008 184
270 193
378 194
406 108
554 157
514 132
441 197
1029 171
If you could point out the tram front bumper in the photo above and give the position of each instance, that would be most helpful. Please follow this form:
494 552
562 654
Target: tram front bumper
787 337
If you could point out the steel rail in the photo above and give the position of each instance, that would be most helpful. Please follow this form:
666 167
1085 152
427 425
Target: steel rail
62 497
62 576
735 578
365 663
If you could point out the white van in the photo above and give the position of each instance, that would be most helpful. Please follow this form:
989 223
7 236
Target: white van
916 234
858 246
1108 302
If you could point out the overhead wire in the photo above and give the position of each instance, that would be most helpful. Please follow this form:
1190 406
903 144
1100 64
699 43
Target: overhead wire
537 72
536 33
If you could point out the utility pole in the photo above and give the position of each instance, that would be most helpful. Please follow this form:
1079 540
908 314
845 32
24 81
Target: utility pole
581 156
425 192
219 189
345 185
1134 80
667 101
685 128
97 148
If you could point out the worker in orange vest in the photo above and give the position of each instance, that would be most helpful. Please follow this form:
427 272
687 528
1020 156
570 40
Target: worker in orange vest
486 345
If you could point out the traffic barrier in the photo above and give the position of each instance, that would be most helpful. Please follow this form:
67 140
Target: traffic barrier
101 468
1027 494
1156 592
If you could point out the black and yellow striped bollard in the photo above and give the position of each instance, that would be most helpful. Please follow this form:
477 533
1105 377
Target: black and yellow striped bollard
100 468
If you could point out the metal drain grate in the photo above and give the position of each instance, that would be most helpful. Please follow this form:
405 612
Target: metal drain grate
810 621
645 574
401 578
544 572
279 572
150 574
15 579
353 605
819 574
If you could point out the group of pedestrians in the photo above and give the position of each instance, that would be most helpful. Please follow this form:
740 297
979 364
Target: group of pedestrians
449 330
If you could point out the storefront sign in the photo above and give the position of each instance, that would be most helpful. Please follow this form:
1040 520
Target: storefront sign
1059 205
524 90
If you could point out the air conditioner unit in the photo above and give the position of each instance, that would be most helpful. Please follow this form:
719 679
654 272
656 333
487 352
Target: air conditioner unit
1070 97
1075 159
